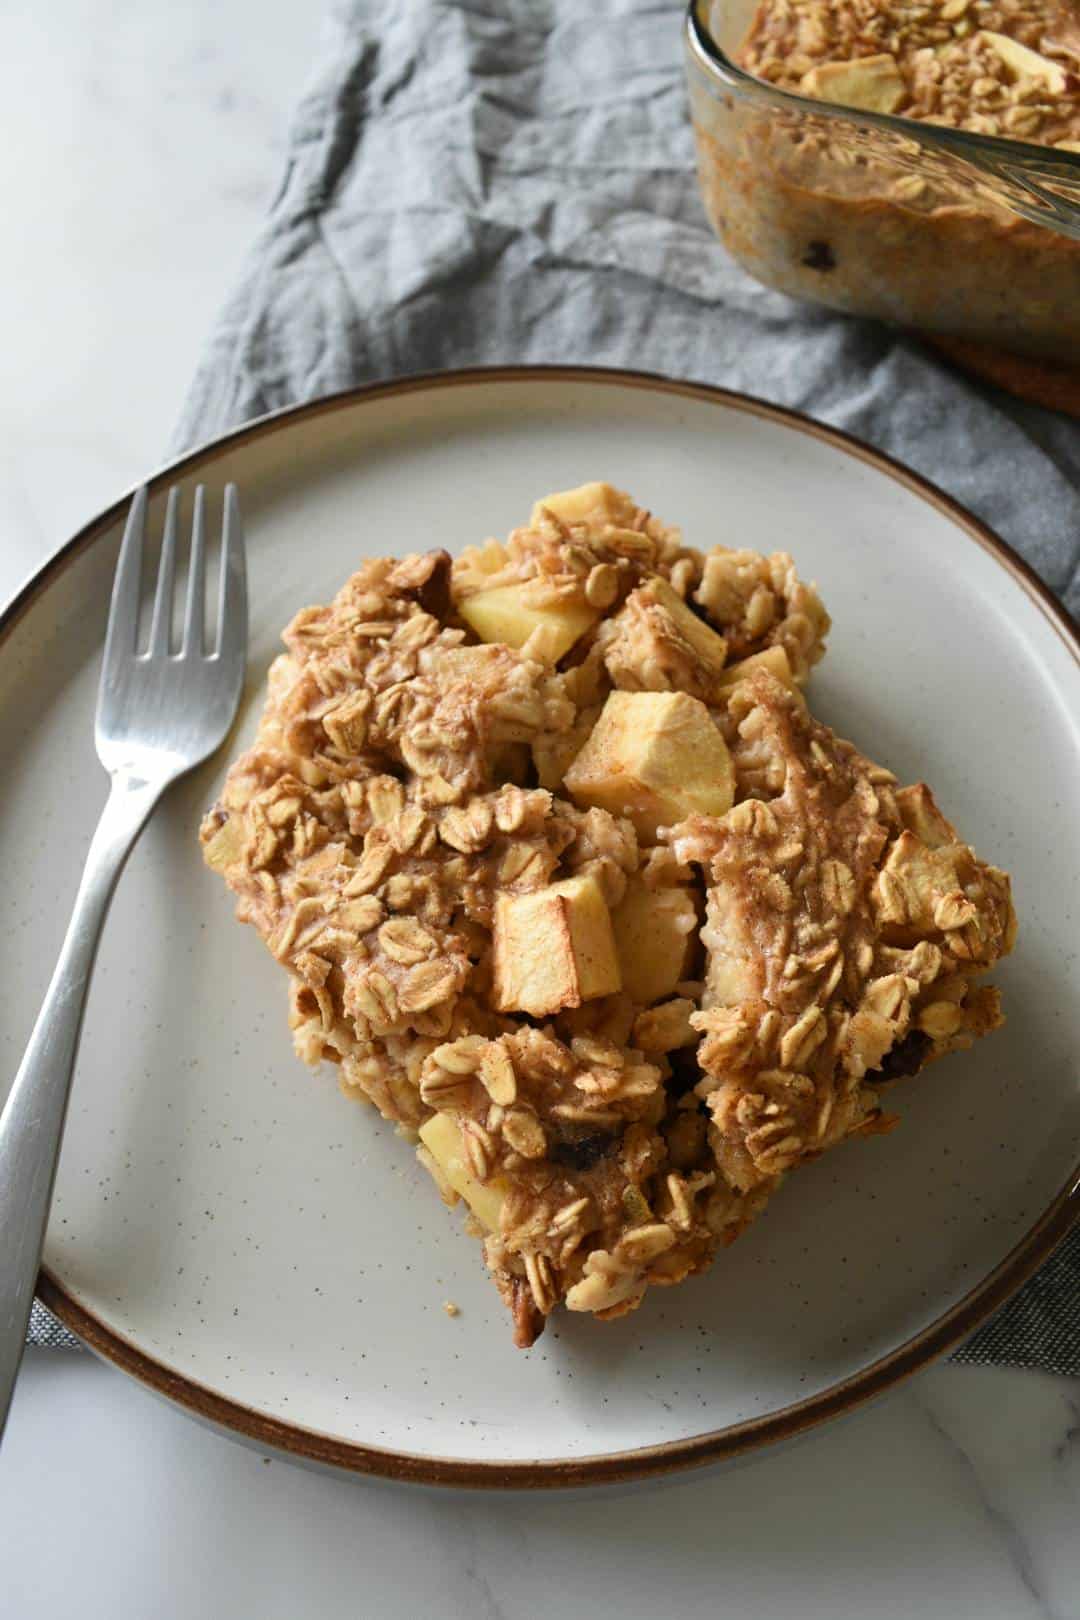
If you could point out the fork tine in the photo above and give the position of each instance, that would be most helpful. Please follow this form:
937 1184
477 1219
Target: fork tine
232 594
161 626
122 635
192 645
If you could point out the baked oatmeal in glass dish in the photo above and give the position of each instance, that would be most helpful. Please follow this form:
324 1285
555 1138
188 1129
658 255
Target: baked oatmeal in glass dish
572 886
917 161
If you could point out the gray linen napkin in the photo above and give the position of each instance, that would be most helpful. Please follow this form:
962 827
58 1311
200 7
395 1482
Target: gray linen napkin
494 181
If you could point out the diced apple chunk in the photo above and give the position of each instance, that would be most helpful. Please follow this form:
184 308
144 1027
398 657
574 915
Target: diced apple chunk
554 752
870 82
554 948
441 1135
709 646
774 660
592 504
654 936
657 643
736 969
920 814
510 614
655 757
225 847
1024 63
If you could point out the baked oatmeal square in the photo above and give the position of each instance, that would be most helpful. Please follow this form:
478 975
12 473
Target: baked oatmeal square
571 886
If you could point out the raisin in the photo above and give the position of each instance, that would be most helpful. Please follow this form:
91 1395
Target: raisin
685 1071
528 1321
433 594
905 1059
581 1153
819 256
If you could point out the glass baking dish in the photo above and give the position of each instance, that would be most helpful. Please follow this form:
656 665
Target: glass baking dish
973 237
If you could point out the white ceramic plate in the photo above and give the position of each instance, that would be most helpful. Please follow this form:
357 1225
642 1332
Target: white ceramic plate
233 1232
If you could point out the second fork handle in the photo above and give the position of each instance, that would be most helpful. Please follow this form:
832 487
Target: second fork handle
32 1123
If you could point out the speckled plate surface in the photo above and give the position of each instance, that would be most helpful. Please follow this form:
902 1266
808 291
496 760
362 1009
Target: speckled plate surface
233 1232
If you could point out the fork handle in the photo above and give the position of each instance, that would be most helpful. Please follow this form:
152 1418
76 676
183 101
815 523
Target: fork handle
32 1123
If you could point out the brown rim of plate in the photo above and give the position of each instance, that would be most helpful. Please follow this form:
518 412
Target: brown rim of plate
721 1444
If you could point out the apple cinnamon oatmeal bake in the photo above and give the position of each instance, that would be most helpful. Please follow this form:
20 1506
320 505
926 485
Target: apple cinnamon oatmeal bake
572 886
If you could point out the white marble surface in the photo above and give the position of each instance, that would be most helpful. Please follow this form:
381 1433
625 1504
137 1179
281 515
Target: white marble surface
149 139
957 1497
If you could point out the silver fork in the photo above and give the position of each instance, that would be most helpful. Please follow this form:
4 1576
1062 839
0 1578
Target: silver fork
159 715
